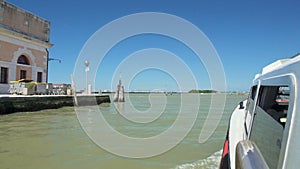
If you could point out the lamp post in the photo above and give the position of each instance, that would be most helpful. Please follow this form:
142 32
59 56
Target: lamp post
48 60
87 69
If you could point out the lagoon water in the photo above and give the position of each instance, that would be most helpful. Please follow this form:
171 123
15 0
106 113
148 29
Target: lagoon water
54 138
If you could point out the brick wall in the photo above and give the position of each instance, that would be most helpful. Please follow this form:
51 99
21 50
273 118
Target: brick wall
24 22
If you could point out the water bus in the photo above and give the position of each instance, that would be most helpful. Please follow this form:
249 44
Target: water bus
264 130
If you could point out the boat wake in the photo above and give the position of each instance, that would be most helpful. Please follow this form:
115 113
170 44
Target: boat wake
211 162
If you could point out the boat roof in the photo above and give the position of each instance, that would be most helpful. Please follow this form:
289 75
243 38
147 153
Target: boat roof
277 65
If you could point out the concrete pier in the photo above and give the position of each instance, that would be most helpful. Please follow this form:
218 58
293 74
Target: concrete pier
18 103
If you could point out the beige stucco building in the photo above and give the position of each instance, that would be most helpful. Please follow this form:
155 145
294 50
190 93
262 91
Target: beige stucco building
24 44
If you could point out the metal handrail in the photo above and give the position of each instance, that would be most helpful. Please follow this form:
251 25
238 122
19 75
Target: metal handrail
248 156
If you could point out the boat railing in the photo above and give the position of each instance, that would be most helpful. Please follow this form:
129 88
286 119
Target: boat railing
248 156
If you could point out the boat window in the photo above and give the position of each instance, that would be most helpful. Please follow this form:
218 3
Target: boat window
250 102
253 92
249 108
269 122
274 101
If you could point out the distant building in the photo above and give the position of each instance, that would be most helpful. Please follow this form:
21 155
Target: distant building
24 44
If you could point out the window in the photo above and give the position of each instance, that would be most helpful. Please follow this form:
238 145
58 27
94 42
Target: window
23 74
23 60
253 92
276 104
39 77
250 103
4 75
269 122
249 109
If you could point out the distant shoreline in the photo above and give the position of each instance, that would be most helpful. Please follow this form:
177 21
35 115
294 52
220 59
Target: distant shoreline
229 92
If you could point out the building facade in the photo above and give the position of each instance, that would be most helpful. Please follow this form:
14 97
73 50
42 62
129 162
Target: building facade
24 44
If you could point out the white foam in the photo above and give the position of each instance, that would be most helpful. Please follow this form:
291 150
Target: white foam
211 162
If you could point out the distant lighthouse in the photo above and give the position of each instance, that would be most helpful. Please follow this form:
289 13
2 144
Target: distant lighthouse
119 95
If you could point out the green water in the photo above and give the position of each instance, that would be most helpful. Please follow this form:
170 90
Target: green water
55 139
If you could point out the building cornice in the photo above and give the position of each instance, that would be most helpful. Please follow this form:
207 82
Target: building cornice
25 38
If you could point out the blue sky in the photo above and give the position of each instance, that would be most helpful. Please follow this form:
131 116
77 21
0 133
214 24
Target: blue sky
247 35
